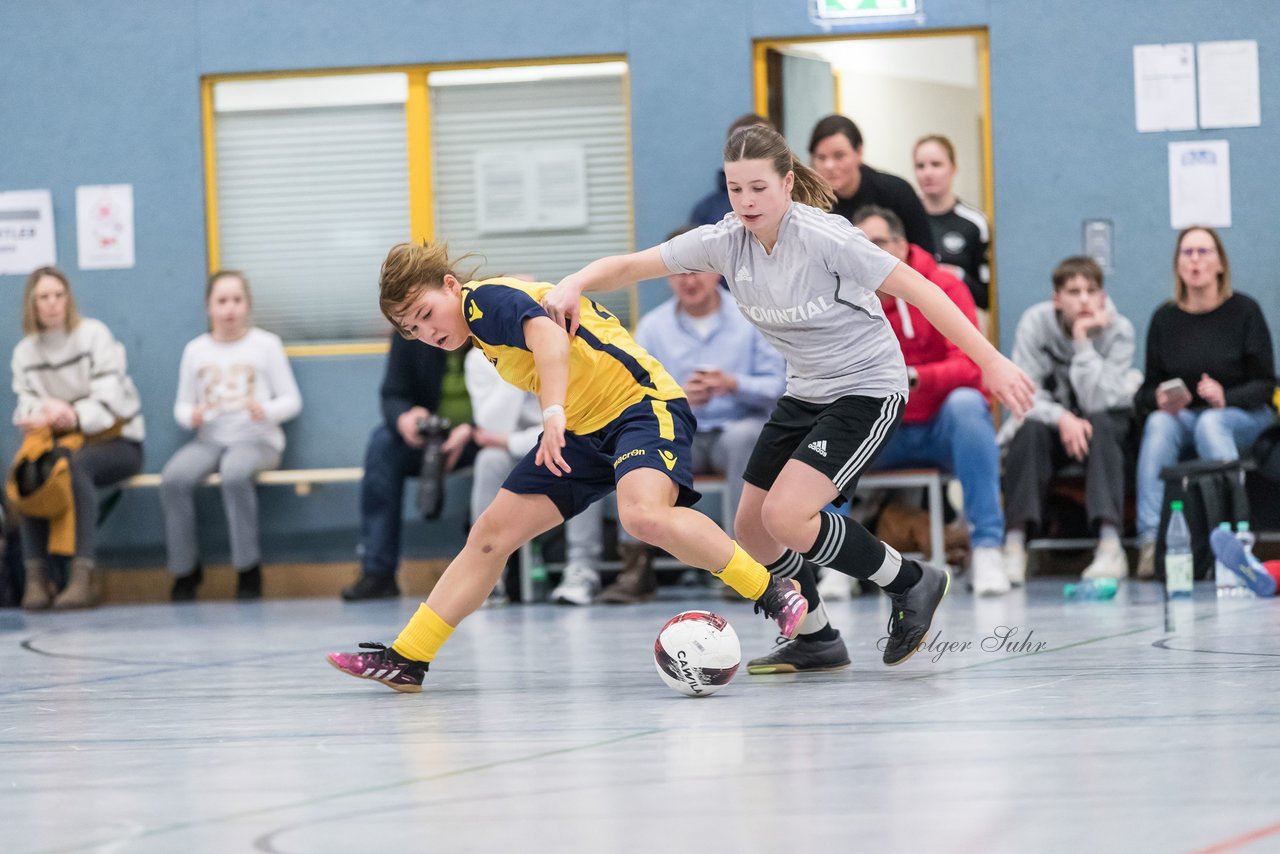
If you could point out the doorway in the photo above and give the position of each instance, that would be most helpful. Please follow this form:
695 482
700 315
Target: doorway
897 87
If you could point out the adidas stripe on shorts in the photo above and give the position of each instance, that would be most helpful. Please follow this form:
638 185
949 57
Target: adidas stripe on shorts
839 439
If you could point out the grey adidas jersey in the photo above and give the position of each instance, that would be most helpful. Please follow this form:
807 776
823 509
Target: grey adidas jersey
814 299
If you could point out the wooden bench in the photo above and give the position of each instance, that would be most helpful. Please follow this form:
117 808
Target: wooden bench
302 480
931 479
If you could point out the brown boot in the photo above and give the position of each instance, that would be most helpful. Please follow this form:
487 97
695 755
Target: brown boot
636 583
38 592
79 592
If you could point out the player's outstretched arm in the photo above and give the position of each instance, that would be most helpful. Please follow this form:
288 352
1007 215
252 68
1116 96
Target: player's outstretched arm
549 345
606 274
1002 377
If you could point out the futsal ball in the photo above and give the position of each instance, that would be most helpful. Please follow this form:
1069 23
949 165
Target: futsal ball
697 653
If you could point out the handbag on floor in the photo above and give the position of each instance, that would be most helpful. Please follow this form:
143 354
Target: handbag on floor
1211 492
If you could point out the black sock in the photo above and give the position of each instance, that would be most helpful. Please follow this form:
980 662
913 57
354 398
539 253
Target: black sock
792 565
847 547
908 575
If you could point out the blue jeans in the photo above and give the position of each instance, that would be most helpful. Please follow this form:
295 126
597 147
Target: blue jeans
959 439
388 461
1207 434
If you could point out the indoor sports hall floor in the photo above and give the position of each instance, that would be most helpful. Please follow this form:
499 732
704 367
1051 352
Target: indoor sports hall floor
219 727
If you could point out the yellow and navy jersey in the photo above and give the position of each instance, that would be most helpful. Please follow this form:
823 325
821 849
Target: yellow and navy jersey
608 370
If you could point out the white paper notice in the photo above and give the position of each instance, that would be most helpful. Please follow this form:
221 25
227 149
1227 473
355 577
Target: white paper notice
534 188
104 226
1229 84
26 232
1164 86
1200 184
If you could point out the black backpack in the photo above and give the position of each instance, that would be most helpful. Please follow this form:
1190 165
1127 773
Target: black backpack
1211 491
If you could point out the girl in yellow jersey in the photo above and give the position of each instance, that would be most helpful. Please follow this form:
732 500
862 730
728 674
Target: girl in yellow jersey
612 418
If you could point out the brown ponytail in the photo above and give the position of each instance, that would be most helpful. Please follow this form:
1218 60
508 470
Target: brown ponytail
762 143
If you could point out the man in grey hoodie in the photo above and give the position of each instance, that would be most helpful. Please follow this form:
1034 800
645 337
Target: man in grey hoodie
1079 351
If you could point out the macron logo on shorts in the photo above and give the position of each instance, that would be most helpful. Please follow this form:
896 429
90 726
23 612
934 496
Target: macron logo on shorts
819 447
638 452
668 458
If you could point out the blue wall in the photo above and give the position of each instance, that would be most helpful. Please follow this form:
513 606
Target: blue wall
108 92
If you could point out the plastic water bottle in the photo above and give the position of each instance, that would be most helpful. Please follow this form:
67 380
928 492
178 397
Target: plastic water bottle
1091 588
1179 570
1247 541
1226 581
538 573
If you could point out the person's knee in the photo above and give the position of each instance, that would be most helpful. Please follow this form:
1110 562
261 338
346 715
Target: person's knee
643 520
491 534
1032 435
385 448
1212 424
236 475
967 404
175 480
1160 427
783 519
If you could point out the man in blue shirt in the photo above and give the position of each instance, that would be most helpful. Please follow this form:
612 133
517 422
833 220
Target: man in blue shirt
732 377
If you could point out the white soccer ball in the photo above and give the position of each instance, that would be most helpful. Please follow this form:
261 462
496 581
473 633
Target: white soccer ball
697 653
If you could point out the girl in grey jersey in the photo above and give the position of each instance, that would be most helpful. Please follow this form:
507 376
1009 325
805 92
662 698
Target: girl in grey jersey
807 280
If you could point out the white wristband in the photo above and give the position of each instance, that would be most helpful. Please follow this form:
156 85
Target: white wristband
553 409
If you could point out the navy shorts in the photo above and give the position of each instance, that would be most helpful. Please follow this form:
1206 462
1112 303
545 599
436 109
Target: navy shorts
653 434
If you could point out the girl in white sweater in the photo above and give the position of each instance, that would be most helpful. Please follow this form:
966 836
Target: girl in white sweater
69 374
235 389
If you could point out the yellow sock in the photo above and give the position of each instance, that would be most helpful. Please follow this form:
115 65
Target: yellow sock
745 574
423 637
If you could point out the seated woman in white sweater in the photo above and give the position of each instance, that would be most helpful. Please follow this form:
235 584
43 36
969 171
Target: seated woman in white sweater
235 389
69 374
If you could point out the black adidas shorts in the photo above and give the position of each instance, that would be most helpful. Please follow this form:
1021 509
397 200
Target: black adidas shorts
839 439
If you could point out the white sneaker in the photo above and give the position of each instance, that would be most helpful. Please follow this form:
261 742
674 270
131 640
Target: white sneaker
1015 564
579 585
1109 561
989 578
835 586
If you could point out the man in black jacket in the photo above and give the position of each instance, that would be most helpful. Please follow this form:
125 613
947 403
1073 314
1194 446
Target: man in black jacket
835 151
411 391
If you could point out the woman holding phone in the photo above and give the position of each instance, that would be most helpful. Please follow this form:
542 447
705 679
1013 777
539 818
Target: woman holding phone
1210 375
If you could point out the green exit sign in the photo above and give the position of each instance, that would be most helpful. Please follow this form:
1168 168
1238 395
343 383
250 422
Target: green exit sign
865 8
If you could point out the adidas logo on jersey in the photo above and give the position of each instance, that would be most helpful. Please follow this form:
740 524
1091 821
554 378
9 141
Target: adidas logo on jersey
819 447
743 274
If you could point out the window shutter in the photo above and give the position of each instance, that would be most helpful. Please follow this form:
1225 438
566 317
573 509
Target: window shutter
586 112
309 201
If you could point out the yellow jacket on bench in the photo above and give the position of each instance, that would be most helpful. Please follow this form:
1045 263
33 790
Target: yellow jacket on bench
52 499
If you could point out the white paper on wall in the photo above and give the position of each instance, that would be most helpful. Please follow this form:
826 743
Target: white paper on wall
1200 183
1164 87
540 188
26 232
104 226
1229 96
